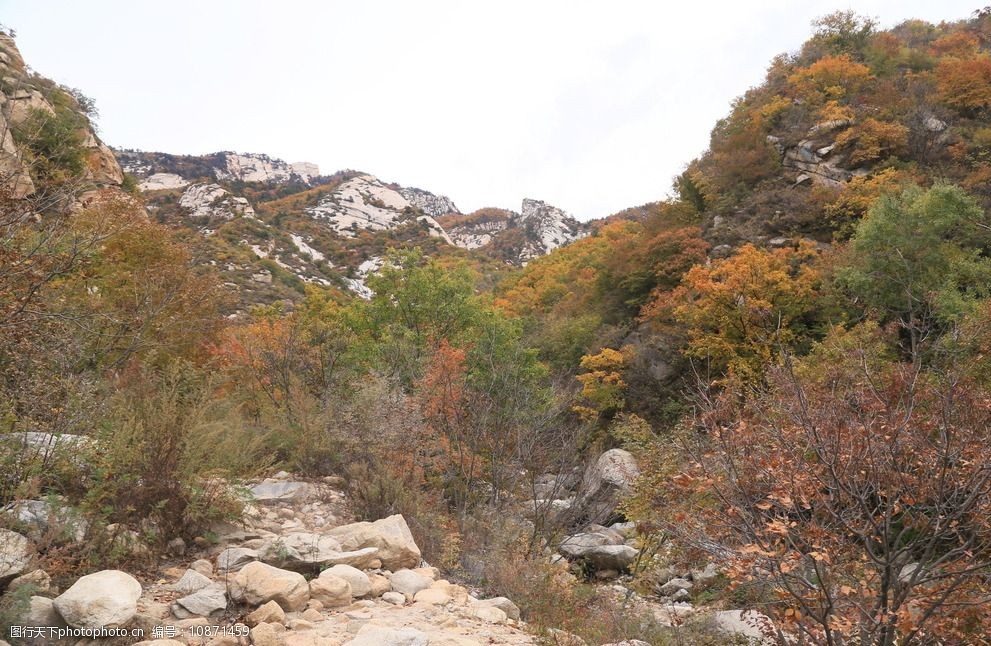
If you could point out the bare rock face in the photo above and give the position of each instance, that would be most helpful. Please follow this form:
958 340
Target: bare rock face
391 536
433 205
106 598
214 201
17 103
606 483
551 226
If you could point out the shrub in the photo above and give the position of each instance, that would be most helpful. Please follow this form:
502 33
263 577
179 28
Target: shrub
54 144
167 453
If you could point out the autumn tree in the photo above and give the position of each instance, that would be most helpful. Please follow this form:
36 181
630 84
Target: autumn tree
861 488
491 410
872 140
965 83
740 312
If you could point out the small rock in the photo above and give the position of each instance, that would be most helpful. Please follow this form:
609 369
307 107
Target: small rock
38 579
204 602
332 591
705 576
310 614
432 596
177 546
267 613
511 609
395 598
360 584
192 581
409 582
235 558
491 614
202 566
672 586
379 585
267 634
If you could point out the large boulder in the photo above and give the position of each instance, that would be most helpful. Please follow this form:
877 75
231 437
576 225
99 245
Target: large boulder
15 554
606 483
360 583
41 613
308 552
257 583
603 550
391 536
106 598
273 492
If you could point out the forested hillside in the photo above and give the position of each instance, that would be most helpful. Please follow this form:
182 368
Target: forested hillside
757 412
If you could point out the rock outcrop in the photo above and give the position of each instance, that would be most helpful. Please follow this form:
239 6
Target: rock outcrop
214 201
605 484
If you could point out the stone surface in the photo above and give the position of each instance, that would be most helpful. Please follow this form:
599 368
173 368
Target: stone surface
408 582
235 558
275 491
395 598
332 591
192 581
672 586
360 584
379 636
41 612
204 602
15 554
391 536
105 598
606 483
39 581
755 627
257 583
267 613
511 609
491 614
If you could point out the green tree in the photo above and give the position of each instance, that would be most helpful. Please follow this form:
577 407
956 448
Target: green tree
417 304
918 259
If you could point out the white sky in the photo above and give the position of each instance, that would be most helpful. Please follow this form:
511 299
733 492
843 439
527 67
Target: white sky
591 106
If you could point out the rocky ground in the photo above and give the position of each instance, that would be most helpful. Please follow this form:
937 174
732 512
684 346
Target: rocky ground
298 572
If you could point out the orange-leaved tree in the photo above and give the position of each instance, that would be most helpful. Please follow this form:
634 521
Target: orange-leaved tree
738 313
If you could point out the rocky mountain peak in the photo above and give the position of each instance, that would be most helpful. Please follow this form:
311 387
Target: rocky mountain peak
433 205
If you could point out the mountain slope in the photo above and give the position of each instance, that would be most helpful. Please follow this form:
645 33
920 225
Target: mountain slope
271 227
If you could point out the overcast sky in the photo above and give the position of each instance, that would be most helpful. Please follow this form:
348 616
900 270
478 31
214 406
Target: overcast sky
591 106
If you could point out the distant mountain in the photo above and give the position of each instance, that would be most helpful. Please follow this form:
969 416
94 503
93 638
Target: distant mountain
272 226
